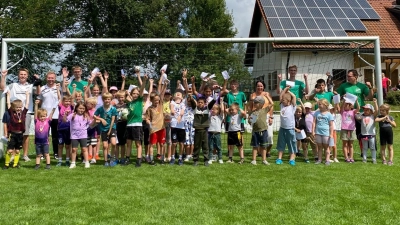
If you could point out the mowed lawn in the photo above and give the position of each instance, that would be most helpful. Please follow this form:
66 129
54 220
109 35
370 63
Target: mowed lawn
219 194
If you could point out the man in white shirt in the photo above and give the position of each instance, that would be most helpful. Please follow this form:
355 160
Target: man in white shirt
18 91
48 94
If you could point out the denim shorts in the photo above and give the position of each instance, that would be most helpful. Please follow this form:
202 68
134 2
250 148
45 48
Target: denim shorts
259 139
42 149
287 137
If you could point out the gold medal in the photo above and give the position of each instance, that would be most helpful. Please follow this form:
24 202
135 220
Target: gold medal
19 121
41 129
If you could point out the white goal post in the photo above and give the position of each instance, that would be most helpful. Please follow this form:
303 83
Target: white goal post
373 39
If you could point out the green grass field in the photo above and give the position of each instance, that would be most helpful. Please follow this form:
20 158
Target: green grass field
219 194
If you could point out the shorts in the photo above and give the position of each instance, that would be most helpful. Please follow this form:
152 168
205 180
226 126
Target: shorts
287 137
241 127
64 137
15 141
310 139
348 135
189 130
82 142
157 137
178 135
105 137
121 134
146 133
42 149
320 139
134 133
386 136
91 141
167 132
259 139
235 138
92 132
28 120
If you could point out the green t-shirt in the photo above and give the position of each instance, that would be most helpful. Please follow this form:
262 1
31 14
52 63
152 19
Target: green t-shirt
79 85
359 89
239 98
297 90
135 111
326 95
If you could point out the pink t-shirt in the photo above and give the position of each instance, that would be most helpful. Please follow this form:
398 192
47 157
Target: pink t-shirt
348 120
42 131
62 109
385 82
309 121
79 126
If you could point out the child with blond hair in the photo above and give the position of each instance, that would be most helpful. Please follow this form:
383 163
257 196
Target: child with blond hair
348 131
323 130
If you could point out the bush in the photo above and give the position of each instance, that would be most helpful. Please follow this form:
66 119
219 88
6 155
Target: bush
393 98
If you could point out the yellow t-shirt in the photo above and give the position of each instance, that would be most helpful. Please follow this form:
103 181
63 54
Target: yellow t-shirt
156 117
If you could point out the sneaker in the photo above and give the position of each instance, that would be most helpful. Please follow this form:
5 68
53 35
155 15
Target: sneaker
327 163
335 160
299 154
113 163
390 163
254 162
195 163
351 160
241 161
268 155
292 162
158 156
67 163
72 166
206 163
220 161
330 160
210 162
180 162
87 165
265 162
59 164
364 161
214 158
16 166
278 161
384 162
162 162
152 163
5 167
230 161
317 162
93 161
172 161
138 163
374 161
47 167
26 158
55 156
306 160
106 164
97 157
126 162
186 159
37 167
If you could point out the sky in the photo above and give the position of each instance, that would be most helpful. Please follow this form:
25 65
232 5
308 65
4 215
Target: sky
242 11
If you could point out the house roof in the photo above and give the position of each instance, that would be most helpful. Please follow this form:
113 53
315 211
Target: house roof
387 28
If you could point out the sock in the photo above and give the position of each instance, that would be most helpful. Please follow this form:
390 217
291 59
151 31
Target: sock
173 156
47 164
60 159
180 156
67 159
16 159
8 158
151 158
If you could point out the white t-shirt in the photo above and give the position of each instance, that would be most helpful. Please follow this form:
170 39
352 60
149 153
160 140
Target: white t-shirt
49 98
174 120
287 116
18 91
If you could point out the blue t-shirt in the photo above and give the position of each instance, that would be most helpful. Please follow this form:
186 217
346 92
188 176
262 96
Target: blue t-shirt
322 123
107 115
6 117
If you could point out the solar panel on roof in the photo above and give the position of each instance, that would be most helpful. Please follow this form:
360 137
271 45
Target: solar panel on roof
316 18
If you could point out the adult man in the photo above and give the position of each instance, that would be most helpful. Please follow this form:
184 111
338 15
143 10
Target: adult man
18 91
49 97
386 83
80 84
299 86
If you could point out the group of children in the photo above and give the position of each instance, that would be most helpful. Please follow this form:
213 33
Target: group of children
188 121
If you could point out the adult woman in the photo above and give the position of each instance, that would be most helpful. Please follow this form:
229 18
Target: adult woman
260 87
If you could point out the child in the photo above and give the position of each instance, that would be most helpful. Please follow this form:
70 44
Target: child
323 130
348 131
134 130
178 134
16 129
309 118
42 127
167 124
80 121
386 122
235 131
107 116
336 127
188 116
320 93
286 135
201 123
121 124
258 119
300 125
367 120
215 129
155 119
64 134
92 132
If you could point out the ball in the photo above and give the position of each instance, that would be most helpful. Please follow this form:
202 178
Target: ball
124 114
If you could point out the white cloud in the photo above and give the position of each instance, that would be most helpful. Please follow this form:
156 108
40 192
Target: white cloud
242 11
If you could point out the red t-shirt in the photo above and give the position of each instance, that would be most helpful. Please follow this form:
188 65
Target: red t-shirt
384 82
17 120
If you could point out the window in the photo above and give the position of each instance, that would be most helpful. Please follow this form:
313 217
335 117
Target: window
272 79
261 49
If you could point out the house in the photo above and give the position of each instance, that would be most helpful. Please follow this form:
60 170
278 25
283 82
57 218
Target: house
270 59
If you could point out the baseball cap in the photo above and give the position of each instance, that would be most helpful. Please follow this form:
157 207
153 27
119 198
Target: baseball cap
308 105
113 88
369 106
167 92
259 99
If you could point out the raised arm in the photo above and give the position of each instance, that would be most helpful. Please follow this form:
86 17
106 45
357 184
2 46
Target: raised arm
8 100
139 78
376 107
278 84
27 93
103 81
303 109
224 90
65 87
3 79
142 85
306 83
222 105
36 109
87 90
123 82
371 91
194 90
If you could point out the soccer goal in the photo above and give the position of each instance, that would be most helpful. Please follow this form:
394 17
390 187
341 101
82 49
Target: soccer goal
245 59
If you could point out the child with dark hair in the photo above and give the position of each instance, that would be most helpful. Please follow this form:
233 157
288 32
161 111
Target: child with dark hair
386 124
178 134
320 92
235 131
